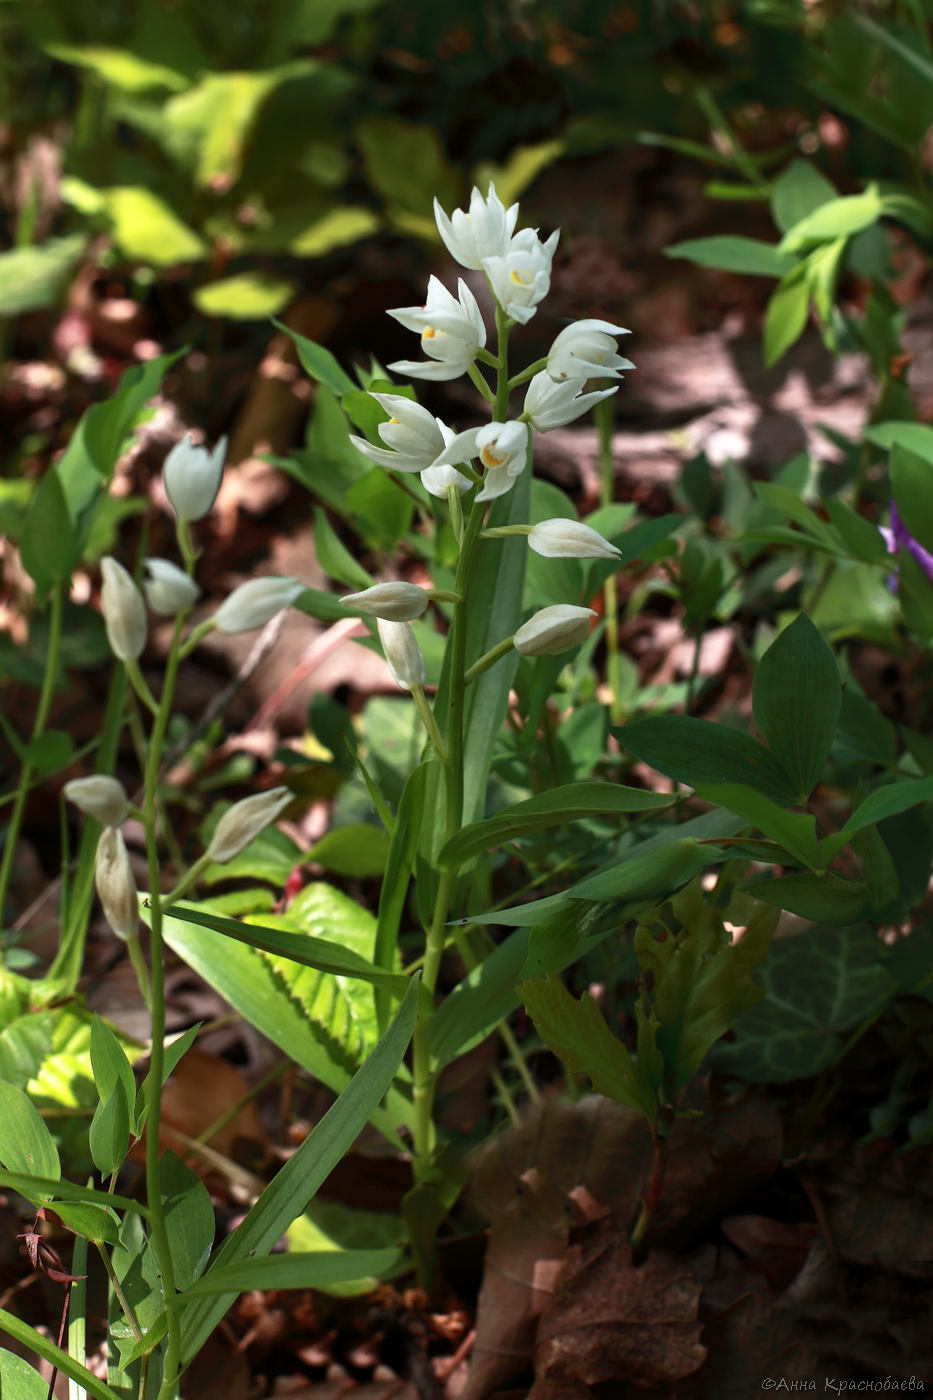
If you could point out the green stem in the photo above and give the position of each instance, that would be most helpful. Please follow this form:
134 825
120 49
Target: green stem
190 877
524 375
160 1240
117 1287
604 414
428 720
488 659
479 382
27 770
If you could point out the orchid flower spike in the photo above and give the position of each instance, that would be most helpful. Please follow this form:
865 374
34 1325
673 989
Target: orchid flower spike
483 232
521 276
452 332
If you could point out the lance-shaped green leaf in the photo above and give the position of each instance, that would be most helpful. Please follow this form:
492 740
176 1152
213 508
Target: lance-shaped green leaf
698 751
795 831
319 953
796 700
824 899
28 1337
301 1269
577 1033
912 486
395 883
877 806
318 361
294 1185
701 981
837 218
26 1145
553 808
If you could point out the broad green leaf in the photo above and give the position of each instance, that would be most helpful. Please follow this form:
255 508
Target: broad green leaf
915 437
335 229
359 850
189 1219
787 313
109 1136
862 539
553 808
523 165
49 546
272 856
316 909
147 229
797 192
734 253
698 751
304 1172
796 700
249 296
907 209
25 1041
884 802
26 1145
795 831
261 991
380 509
700 980
824 899
35 1342
837 218
18 1380
912 487
296 1270
49 751
406 164
93 1222
32 279
318 361
577 1033
789 503
817 984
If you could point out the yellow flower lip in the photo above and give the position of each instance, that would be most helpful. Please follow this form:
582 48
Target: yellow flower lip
519 280
489 458
428 333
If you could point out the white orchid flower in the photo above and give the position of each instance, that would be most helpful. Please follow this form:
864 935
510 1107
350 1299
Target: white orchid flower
553 630
552 404
502 448
521 277
414 438
483 232
452 332
585 349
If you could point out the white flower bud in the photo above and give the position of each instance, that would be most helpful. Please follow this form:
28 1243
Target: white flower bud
191 476
254 603
551 404
124 611
244 821
396 602
569 539
169 590
116 888
99 797
402 653
484 232
587 349
553 630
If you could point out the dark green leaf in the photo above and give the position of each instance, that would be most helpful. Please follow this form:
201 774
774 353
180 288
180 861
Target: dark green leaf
912 486
189 1219
797 695
319 1269
48 546
825 899
111 1067
734 253
34 1341
32 279
799 190
318 361
359 850
915 437
699 751
883 802
110 1132
794 831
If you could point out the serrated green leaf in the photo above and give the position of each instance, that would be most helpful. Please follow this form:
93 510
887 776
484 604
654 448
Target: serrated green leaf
817 985
796 700
578 1035
700 980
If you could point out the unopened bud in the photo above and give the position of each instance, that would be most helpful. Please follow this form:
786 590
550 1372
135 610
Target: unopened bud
553 630
116 888
396 602
254 603
570 539
124 611
402 653
244 821
100 797
191 476
169 590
